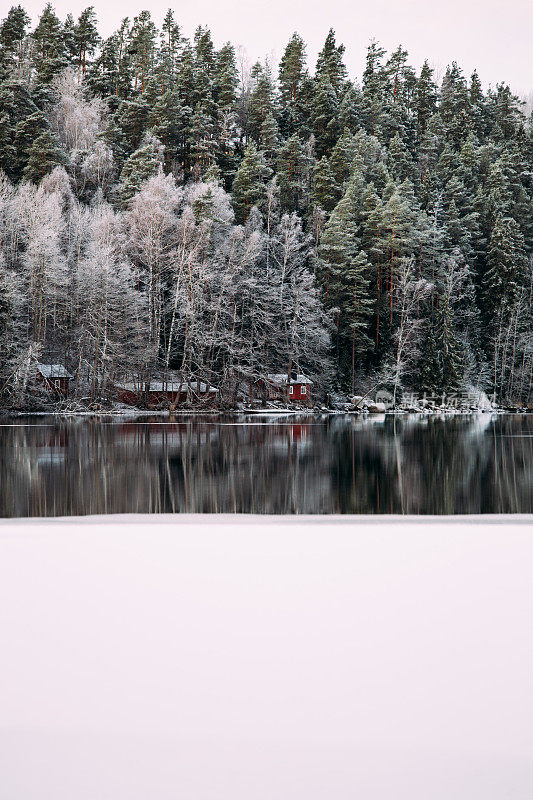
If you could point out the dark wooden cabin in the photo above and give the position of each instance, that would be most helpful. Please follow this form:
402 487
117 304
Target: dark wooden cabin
166 393
55 377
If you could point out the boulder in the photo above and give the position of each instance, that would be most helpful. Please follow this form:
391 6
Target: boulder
376 408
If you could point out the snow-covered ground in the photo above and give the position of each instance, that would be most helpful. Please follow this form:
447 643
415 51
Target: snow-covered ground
259 658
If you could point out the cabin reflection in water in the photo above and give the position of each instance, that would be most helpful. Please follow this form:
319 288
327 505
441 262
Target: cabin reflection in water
299 464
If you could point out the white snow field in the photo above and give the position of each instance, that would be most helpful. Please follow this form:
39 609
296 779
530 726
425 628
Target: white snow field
264 658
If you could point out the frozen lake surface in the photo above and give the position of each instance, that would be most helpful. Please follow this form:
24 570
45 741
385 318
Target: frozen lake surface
468 464
246 658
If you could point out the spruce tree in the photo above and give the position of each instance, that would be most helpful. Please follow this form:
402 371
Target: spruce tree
506 266
442 362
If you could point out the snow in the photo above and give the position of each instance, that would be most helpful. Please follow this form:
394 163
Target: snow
253 658
170 386
280 379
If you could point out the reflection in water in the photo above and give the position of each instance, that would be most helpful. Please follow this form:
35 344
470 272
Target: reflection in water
297 465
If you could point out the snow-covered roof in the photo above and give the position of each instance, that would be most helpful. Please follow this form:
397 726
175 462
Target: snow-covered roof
53 371
171 386
280 379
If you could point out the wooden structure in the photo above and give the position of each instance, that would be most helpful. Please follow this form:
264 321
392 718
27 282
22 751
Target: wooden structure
168 393
278 387
55 377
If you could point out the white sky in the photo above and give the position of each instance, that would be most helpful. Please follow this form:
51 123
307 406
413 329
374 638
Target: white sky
494 36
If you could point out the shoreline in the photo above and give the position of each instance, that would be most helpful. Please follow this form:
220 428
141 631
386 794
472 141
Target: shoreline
217 520
270 412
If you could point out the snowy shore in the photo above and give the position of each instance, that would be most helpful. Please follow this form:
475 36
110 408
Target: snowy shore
266 412
246 658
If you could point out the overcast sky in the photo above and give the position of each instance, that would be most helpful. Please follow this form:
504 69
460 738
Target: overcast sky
494 36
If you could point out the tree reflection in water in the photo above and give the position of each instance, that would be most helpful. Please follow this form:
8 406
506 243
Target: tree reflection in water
296 465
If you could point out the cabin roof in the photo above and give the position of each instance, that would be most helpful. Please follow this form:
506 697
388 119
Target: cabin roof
53 371
280 379
170 386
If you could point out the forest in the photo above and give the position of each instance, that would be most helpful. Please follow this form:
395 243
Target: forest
169 209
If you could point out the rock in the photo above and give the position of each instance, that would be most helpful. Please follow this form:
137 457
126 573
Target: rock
356 401
376 408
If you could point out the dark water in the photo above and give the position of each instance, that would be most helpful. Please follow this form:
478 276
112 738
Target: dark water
295 465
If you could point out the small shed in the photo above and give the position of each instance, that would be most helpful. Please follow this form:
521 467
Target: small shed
297 390
166 393
55 377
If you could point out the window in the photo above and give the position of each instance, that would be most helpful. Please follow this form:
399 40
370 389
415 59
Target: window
304 389
291 390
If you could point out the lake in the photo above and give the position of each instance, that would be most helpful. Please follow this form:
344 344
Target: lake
383 464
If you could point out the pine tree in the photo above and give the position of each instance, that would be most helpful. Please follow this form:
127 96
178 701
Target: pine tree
44 154
262 99
171 124
400 163
170 45
292 174
202 142
50 48
344 276
225 77
249 187
454 105
351 110
324 119
143 164
12 34
142 49
330 66
394 226
292 69
325 192
269 138
425 99
86 38
342 157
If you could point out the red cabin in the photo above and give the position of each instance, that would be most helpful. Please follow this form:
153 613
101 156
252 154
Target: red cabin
55 377
278 387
